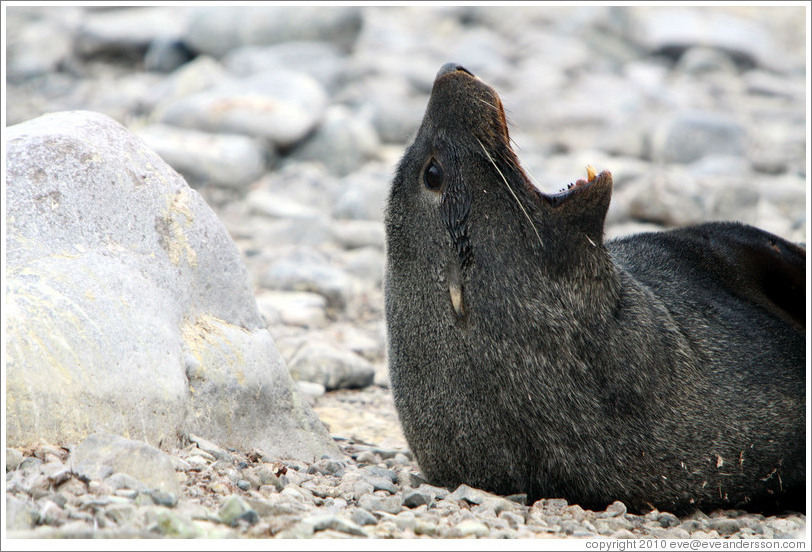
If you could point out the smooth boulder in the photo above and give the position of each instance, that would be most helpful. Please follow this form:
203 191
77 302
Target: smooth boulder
129 309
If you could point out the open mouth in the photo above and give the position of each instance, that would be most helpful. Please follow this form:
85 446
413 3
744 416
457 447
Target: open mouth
591 176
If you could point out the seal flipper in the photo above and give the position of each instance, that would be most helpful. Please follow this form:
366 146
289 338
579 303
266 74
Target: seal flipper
761 267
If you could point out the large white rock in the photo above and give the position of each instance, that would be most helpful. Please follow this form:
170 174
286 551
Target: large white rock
129 310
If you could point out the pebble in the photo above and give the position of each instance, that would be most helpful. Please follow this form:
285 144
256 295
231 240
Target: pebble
13 459
332 521
375 503
472 528
234 508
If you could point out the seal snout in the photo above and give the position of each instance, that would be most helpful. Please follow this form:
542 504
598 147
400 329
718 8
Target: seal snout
451 67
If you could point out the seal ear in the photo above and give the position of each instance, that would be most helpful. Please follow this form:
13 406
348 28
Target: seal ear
585 205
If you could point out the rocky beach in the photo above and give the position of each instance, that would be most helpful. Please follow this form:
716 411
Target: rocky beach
287 124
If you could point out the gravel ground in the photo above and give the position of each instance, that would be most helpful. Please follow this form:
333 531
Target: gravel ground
374 492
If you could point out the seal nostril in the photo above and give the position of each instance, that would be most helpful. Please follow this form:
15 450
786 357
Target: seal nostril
450 68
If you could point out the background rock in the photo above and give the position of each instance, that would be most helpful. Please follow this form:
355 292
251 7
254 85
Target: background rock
279 106
217 31
227 160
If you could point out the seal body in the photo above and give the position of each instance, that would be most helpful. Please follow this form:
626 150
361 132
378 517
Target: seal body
665 370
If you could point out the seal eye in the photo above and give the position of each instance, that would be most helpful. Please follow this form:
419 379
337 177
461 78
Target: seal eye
433 176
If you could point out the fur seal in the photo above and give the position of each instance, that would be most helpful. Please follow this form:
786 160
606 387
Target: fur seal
528 355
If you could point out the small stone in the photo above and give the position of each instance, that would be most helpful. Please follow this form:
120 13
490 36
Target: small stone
73 487
386 454
623 534
381 483
677 533
616 508
439 493
724 526
423 527
415 498
60 476
407 478
330 467
607 526
513 519
266 476
20 514
367 457
363 517
124 481
13 459
101 454
575 511
197 463
30 463
126 493
469 494
332 367
301 530
304 272
163 498
210 448
667 520
498 504
293 308
472 528
401 459
120 513
44 451
143 499
234 509
99 488
332 521
165 54
374 503
377 471
51 514
692 525
173 524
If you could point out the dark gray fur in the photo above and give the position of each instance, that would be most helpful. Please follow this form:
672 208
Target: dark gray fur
665 370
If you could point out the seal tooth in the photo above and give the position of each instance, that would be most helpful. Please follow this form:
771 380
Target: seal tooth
590 172
456 299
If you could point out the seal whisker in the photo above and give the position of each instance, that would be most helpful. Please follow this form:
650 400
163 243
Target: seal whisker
495 166
488 104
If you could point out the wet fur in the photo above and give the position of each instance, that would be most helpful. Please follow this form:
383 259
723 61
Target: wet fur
665 370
